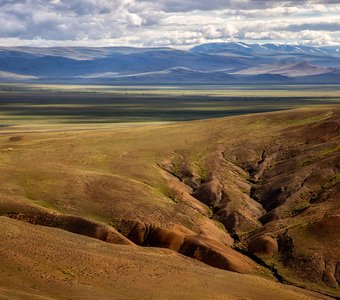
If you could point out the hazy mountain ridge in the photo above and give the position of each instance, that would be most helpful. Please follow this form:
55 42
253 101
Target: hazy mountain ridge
222 63
264 49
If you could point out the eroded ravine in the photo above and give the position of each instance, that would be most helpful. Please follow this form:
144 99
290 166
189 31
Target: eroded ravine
210 192
281 187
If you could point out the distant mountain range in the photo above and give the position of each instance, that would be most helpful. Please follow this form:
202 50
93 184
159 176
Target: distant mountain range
214 63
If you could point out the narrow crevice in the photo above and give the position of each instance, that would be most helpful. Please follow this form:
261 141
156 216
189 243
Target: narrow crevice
169 171
263 158
253 193
260 262
235 236
252 181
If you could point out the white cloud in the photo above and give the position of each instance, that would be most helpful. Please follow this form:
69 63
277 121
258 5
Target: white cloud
167 22
306 37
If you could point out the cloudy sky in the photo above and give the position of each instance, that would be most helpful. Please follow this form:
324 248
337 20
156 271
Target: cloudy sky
176 23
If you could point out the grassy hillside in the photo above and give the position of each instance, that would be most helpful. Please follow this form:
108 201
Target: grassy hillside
254 194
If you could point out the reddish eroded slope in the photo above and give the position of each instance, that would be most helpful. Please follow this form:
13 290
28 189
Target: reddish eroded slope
296 178
277 195
47 263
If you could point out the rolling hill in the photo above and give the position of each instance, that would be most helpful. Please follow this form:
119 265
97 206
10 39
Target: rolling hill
257 195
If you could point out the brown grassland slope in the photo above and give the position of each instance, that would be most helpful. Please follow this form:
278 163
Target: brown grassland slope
256 194
48 263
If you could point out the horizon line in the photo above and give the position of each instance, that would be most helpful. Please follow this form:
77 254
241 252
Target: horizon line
188 47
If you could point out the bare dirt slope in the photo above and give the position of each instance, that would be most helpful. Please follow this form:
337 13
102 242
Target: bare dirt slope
45 263
254 194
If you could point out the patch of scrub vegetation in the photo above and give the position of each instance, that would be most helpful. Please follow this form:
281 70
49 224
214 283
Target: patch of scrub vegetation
305 121
330 150
306 162
335 177
44 204
298 209
69 273
220 225
332 180
244 190
171 194
176 167
204 174
320 155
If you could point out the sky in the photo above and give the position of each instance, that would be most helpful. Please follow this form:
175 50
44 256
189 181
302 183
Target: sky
173 23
